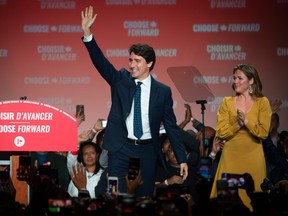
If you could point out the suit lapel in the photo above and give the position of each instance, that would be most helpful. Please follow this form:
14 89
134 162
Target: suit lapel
132 87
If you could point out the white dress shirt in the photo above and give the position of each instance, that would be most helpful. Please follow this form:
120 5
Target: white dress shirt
145 98
92 182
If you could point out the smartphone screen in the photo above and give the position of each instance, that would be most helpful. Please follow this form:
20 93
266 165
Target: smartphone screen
133 167
112 184
234 180
205 168
24 167
222 189
80 109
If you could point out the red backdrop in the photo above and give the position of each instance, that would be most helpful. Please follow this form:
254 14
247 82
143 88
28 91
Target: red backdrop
42 56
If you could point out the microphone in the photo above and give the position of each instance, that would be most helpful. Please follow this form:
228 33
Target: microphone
201 101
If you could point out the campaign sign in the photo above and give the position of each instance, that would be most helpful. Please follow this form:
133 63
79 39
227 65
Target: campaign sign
35 126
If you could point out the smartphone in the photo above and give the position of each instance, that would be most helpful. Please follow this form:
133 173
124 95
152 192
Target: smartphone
24 167
133 167
222 189
205 167
234 180
103 123
112 184
80 109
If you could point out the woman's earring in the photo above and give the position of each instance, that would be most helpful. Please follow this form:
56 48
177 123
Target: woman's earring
250 89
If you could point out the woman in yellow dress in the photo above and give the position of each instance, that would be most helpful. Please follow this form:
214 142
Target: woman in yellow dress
243 121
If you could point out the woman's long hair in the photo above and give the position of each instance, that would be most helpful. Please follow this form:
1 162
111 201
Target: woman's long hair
251 73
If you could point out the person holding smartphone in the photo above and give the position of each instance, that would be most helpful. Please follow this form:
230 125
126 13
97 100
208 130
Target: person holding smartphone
156 107
80 113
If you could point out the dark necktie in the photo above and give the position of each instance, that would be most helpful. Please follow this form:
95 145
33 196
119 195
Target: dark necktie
138 131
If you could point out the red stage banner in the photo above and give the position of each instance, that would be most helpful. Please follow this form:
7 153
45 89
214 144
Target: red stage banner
35 126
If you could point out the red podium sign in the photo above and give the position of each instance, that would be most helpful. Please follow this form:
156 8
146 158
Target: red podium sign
35 126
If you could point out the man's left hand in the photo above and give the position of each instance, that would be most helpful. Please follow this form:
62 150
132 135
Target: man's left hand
184 170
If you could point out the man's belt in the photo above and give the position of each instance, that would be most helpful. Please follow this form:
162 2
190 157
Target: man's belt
139 142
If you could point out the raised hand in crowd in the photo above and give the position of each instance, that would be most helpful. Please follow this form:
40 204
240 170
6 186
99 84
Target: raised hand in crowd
188 112
132 185
217 145
85 136
80 116
275 105
90 134
188 116
78 176
199 137
98 125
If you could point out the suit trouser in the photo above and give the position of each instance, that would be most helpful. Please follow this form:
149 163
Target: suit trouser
118 166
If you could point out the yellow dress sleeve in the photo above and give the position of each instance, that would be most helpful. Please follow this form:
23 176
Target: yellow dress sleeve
227 125
259 127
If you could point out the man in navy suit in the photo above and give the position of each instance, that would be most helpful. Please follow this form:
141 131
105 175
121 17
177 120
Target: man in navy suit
156 107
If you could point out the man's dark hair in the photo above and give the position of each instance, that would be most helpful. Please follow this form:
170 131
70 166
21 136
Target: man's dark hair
146 51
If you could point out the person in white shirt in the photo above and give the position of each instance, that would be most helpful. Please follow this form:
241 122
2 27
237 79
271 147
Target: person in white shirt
87 175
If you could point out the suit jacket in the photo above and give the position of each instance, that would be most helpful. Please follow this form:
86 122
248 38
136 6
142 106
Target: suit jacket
275 158
122 92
